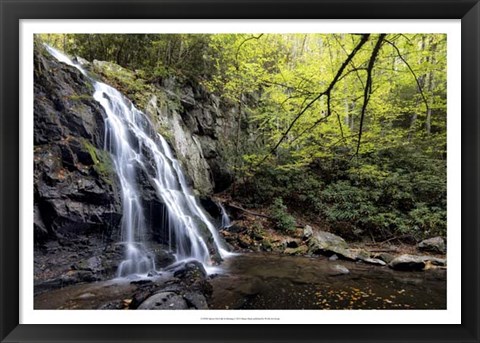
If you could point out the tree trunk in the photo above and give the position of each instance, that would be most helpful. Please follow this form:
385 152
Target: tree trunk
421 81
237 145
428 119
430 87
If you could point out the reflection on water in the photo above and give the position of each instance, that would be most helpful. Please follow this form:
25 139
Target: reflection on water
266 281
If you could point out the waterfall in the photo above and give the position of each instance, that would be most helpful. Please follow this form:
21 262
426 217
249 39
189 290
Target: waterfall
226 223
135 146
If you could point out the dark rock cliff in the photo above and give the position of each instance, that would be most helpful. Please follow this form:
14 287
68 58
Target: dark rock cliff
77 206
77 195
76 190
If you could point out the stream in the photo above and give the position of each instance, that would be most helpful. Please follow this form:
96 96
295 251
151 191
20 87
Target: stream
266 281
270 281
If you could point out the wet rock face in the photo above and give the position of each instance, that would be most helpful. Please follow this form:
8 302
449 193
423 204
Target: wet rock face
64 105
196 124
76 190
77 201
164 301
62 262
188 288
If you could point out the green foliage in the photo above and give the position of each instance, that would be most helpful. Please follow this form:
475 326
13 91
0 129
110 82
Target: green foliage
395 192
404 194
155 55
282 219
430 221
298 187
81 97
298 126
101 159
127 81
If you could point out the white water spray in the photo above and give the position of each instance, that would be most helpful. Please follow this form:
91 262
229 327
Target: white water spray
135 145
226 223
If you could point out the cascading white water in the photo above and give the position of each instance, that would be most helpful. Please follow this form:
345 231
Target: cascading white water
226 223
134 145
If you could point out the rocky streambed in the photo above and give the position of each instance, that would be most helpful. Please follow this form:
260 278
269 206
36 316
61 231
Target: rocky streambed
262 281
179 287
271 281
312 270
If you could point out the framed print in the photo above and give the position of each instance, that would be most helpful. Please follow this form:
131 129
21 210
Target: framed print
239 171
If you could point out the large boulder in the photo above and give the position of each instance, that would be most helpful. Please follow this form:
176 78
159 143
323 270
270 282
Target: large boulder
184 286
327 243
164 301
435 245
415 262
407 262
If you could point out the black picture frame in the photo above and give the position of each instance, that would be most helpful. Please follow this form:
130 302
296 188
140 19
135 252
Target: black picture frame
12 11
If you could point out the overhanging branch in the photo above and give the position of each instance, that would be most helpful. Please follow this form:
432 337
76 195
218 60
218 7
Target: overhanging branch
326 93
420 88
368 86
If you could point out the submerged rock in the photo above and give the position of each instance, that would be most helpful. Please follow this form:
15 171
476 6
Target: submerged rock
338 269
374 261
334 257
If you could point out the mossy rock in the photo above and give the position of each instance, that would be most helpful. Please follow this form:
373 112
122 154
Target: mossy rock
126 81
301 250
103 163
81 97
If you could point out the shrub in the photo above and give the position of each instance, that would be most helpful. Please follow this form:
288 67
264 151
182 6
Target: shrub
282 219
394 192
